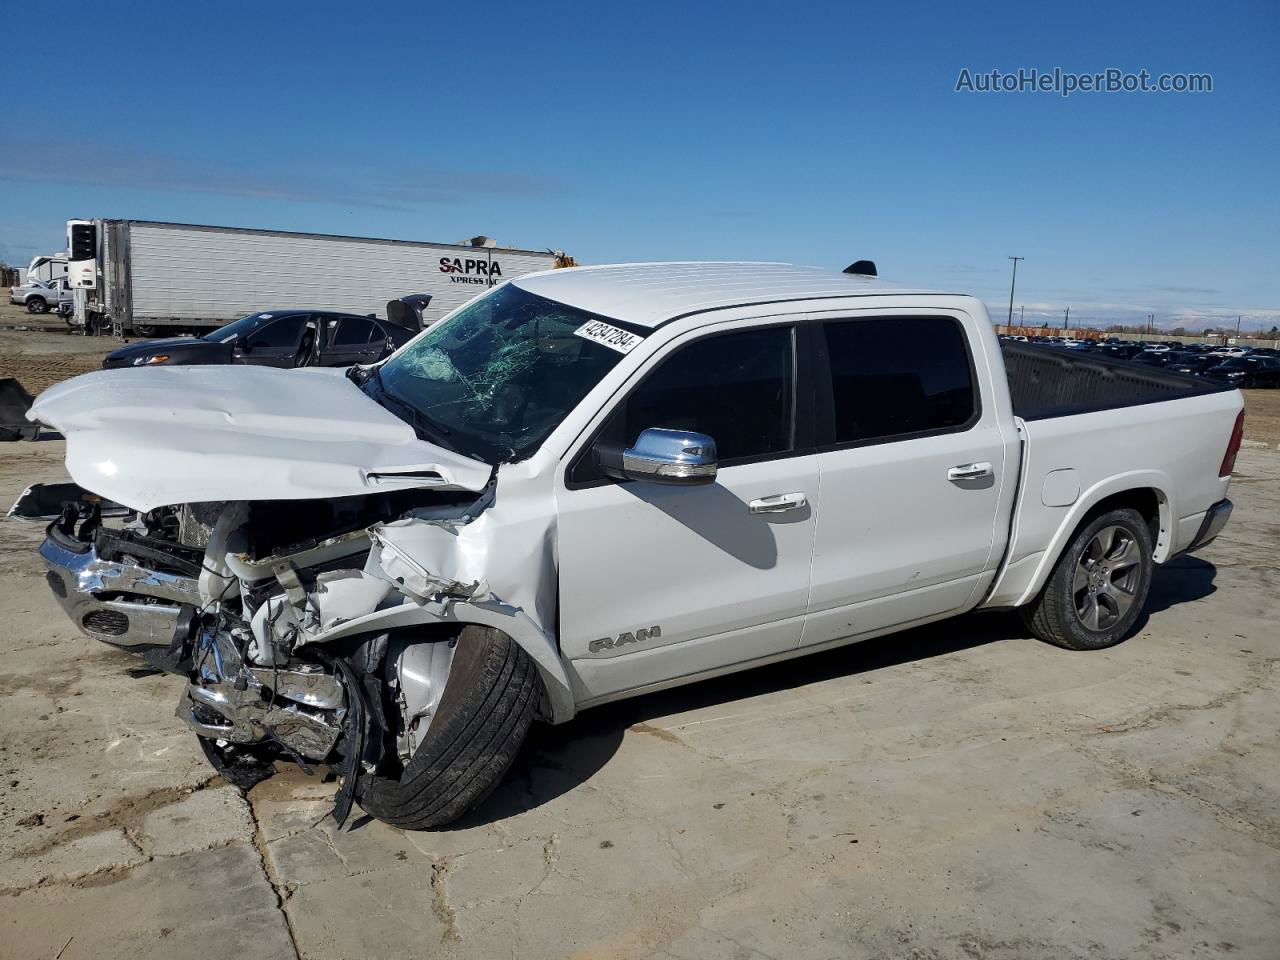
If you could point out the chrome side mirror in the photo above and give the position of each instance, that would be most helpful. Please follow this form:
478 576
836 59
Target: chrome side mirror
662 456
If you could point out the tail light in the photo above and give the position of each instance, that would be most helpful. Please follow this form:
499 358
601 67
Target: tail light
1233 447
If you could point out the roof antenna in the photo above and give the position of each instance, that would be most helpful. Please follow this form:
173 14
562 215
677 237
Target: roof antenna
862 268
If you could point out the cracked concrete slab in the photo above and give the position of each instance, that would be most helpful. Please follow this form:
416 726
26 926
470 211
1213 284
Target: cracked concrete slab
214 903
199 821
957 791
104 852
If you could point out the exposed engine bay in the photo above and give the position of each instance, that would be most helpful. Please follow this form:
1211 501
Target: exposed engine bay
262 585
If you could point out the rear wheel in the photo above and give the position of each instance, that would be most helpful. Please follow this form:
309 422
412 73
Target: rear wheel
488 703
1099 586
37 305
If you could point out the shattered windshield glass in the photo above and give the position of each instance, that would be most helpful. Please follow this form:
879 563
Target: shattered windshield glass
497 377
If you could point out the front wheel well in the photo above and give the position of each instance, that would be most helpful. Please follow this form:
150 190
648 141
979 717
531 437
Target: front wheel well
450 630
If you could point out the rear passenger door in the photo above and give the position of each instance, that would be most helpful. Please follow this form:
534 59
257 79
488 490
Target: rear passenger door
911 473
352 340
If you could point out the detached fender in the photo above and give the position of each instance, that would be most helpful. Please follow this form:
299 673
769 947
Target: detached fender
1157 481
512 621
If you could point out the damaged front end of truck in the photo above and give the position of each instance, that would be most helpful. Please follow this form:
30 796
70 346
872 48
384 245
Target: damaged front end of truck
315 631
353 568
312 630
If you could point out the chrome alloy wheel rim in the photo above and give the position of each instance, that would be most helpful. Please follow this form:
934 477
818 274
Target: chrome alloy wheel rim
1107 575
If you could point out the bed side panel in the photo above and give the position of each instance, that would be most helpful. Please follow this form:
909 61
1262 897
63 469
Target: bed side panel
1071 463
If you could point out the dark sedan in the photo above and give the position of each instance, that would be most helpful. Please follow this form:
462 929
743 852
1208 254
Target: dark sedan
1192 363
1122 351
1247 372
274 338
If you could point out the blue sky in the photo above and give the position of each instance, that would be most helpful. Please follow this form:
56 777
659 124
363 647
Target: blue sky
815 133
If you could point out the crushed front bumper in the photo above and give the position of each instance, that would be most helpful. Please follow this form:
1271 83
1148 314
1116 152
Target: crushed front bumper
118 602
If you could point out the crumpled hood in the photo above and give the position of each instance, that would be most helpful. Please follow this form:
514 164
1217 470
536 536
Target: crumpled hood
159 436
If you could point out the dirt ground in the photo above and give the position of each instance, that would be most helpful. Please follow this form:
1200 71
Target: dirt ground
41 358
958 791
1262 417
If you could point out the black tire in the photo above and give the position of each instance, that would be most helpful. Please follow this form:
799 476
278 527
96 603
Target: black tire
145 330
488 704
37 305
1059 613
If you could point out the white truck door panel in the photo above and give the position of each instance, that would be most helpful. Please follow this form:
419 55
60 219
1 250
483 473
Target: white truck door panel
691 561
898 540
912 492
647 568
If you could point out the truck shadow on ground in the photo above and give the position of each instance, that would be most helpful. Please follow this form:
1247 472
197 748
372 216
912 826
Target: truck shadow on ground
556 760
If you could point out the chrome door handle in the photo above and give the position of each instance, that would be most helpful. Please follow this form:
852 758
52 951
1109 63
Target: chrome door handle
969 471
778 503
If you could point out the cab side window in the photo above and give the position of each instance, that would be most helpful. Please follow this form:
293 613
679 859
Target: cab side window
895 377
738 388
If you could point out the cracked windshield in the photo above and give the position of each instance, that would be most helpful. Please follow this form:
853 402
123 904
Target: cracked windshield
495 379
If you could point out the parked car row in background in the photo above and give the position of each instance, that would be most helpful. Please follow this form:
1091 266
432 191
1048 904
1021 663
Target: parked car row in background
1239 366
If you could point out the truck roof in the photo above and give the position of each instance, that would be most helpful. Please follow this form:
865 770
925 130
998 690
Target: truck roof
649 294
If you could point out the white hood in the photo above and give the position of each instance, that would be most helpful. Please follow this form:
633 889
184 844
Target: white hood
166 435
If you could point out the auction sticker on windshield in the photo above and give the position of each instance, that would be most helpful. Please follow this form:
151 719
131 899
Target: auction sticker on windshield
609 336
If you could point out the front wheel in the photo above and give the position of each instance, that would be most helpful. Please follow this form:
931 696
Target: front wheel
1099 585
489 701
37 305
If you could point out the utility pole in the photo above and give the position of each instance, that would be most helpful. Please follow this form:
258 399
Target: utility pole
1066 319
1022 314
1012 284
1237 328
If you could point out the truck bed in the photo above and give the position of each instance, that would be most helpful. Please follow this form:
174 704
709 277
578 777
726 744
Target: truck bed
1045 382
1077 450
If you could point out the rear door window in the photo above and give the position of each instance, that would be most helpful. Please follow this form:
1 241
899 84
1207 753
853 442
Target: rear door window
354 331
898 377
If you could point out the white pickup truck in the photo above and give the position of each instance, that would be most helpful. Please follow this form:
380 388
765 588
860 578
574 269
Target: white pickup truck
592 483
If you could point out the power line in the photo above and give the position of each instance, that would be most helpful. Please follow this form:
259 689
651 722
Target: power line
1011 284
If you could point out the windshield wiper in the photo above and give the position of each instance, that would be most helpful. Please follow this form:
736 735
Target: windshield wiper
436 432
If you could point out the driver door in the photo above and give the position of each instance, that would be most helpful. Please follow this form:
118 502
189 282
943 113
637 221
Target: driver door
276 343
659 582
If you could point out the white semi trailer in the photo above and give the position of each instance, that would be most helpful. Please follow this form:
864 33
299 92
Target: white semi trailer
149 277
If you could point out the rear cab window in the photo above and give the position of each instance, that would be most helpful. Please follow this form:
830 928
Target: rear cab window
893 378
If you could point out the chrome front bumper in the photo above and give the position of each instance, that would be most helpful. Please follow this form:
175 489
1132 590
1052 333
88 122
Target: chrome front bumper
119 603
